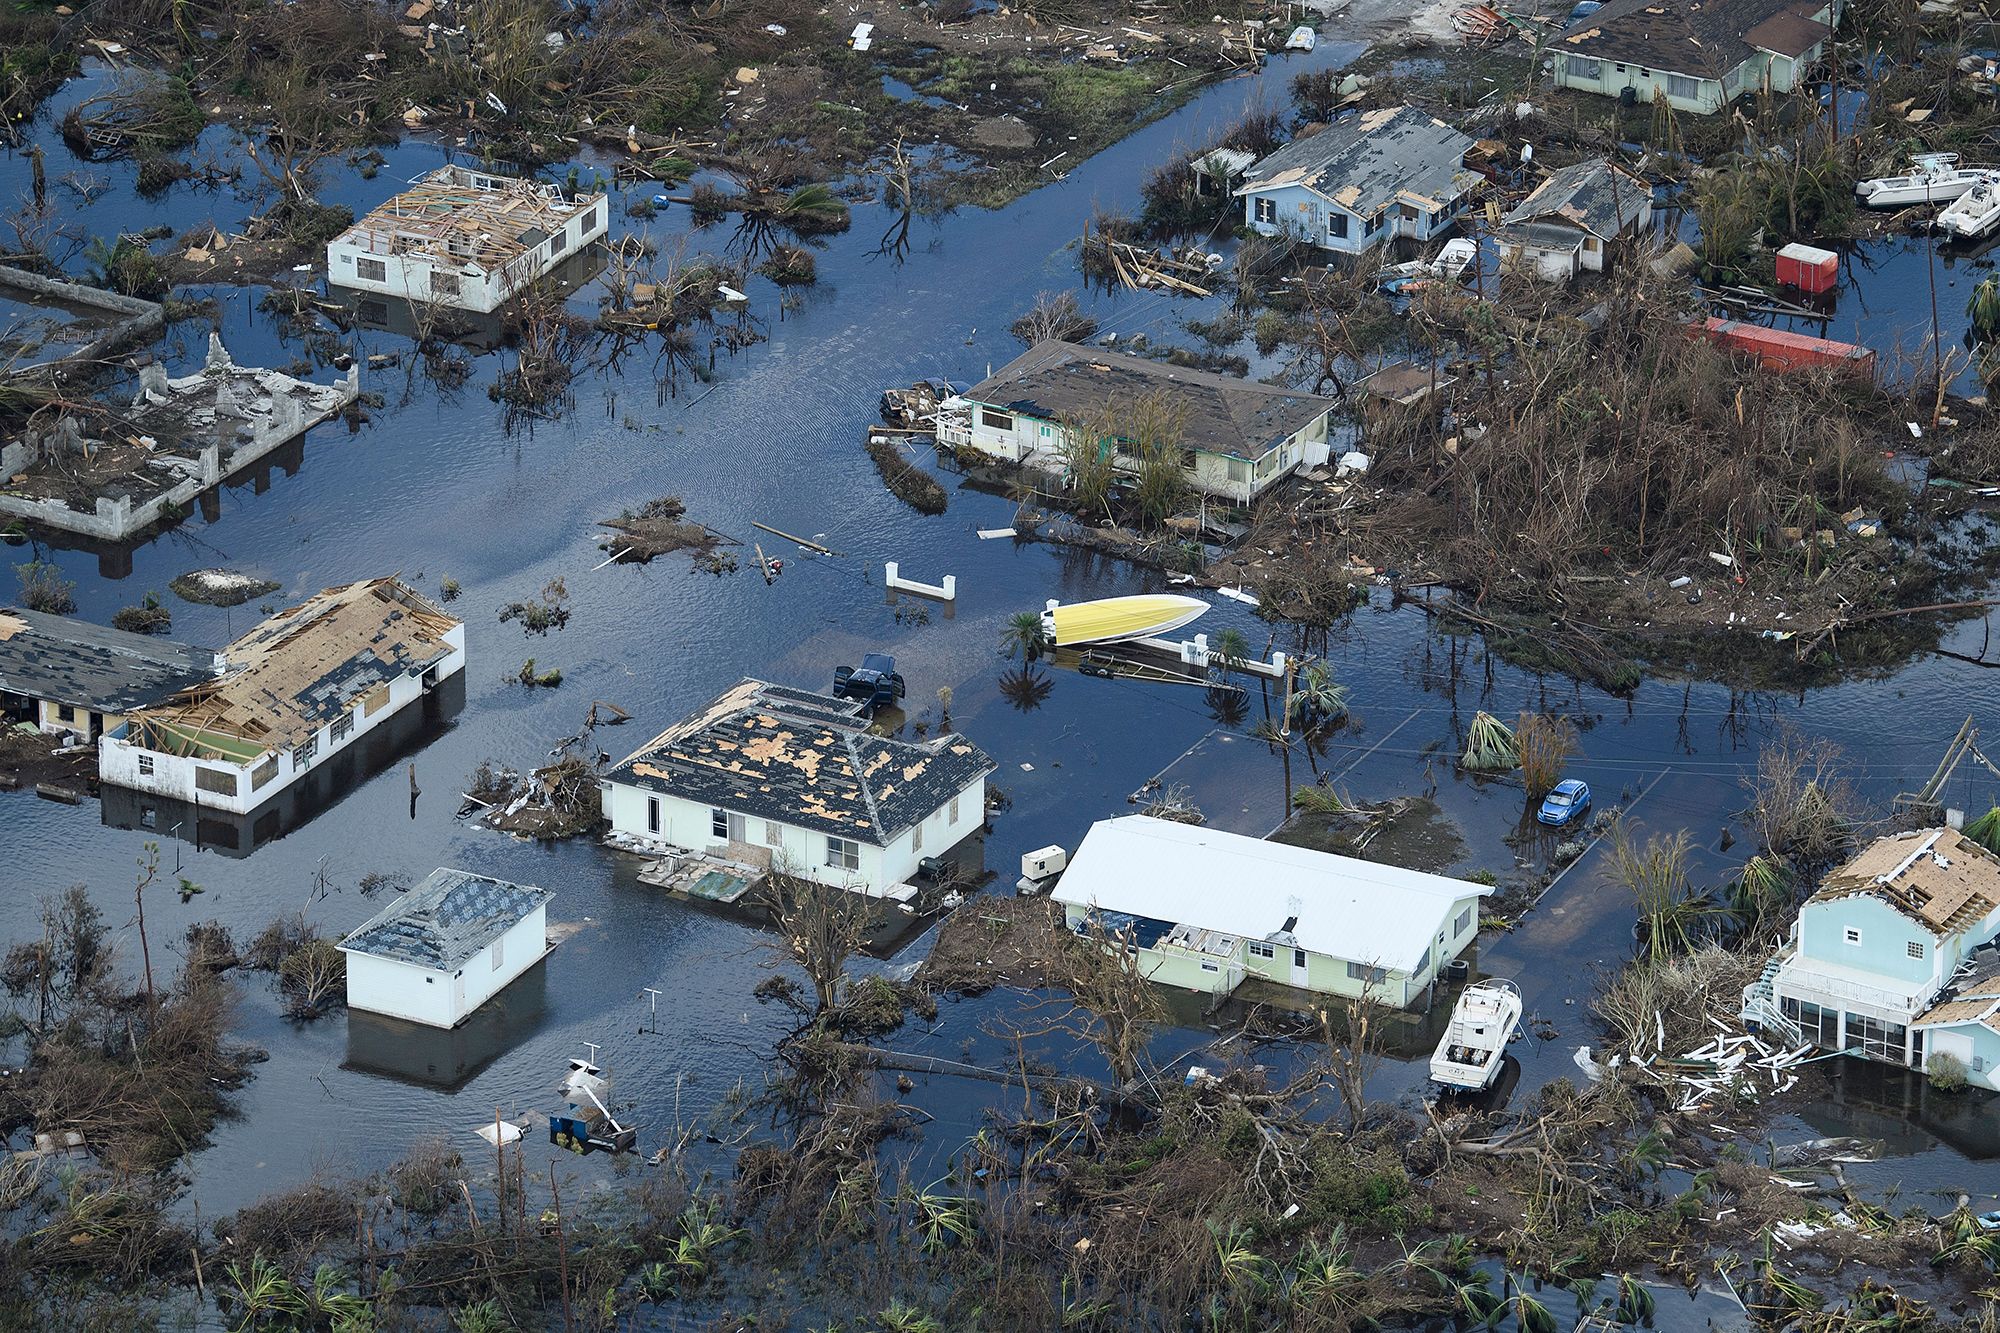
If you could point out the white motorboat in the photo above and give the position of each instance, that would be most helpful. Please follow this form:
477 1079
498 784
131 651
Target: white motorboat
1482 1023
1933 178
1974 214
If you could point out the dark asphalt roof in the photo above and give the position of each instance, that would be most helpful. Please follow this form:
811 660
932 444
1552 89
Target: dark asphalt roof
1055 380
1706 38
1594 195
91 666
446 919
1369 161
775 752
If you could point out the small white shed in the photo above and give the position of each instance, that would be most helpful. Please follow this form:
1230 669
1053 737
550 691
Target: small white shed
446 947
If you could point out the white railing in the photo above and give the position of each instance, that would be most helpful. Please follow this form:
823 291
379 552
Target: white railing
1793 977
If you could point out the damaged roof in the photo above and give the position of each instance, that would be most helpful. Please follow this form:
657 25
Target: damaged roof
1364 164
457 216
775 752
1939 878
1977 1001
1057 381
1592 195
91 666
300 670
446 920
1706 38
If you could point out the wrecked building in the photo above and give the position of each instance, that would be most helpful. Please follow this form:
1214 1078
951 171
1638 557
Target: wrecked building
1240 438
446 947
770 776
1694 55
465 238
68 675
1569 222
113 474
292 693
1395 171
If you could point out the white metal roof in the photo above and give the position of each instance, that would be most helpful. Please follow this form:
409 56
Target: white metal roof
1360 911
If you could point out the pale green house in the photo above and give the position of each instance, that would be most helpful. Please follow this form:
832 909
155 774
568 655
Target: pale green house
1696 55
1207 909
1878 951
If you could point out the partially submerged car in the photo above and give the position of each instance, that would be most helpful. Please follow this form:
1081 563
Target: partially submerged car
1565 804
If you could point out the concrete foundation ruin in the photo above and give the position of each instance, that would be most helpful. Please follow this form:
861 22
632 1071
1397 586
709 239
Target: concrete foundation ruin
115 476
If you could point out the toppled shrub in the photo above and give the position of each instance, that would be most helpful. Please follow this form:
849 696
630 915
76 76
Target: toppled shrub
910 483
549 610
791 266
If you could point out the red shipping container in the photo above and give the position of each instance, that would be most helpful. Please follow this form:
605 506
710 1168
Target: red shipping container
1776 349
1807 268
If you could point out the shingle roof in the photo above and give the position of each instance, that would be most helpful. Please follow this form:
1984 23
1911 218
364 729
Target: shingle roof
1055 380
1361 911
1706 38
90 666
1372 160
1594 195
1939 878
446 919
805 759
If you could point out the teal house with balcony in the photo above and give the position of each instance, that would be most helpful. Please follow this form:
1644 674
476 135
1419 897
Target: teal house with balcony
1888 938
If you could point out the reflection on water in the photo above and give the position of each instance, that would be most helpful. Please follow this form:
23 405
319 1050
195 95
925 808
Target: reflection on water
447 1059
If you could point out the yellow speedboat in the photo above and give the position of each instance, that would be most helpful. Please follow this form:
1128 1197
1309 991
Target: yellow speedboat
1115 619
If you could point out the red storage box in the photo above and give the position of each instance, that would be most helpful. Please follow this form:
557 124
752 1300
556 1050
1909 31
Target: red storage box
1807 268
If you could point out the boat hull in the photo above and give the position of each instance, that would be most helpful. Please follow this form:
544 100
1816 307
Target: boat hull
1120 619
1907 194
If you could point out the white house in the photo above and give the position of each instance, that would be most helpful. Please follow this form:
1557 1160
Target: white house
1696 55
446 947
465 237
68 675
1879 943
299 688
1567 224
1207 909
1238 438
1394 171
770 776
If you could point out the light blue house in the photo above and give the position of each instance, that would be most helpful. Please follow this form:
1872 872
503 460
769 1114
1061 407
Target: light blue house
1967 1026
1389 172
1873 951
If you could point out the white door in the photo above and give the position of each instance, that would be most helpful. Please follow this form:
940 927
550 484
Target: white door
1299 977
458 997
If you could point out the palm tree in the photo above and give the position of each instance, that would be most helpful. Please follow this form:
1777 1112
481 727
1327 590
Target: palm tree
1317 697
1228 650
1023 635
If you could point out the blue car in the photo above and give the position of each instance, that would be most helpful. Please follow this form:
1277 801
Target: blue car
1567 803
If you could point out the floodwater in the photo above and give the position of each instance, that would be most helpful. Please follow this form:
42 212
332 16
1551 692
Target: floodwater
433 487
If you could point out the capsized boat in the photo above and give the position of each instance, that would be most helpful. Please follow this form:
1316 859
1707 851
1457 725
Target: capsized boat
1482 1023
1974 214
1933 178
1117 619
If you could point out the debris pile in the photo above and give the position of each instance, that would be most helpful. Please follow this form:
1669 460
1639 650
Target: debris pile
657 528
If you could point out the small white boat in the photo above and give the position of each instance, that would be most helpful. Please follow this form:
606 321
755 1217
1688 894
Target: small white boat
1482 1023
1974 214
1933 178
1302 39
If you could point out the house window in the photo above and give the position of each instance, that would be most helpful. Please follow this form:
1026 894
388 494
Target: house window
1583 67
264 772
1258 949
1373 976
774 833
1820 1026
445 284
499 952
1915 948
1852 934
145 766
1266 209
1210 967
917 837
951 814
1336 225
218 780
66 713
652 814
1590 245
341 728
1372 225
371 270
302 754
1876 1039
1423 962
1239 469
843 854
995 420
1463 924
1681 86
718 823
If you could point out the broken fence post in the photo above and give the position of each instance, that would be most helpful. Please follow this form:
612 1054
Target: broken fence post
943 592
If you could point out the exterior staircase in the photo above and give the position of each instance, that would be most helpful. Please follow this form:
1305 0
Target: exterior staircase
1760 1004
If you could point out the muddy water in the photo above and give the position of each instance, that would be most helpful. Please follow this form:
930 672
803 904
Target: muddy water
433 487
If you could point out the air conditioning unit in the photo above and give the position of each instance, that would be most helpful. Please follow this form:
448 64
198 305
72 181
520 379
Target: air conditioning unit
1044 862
